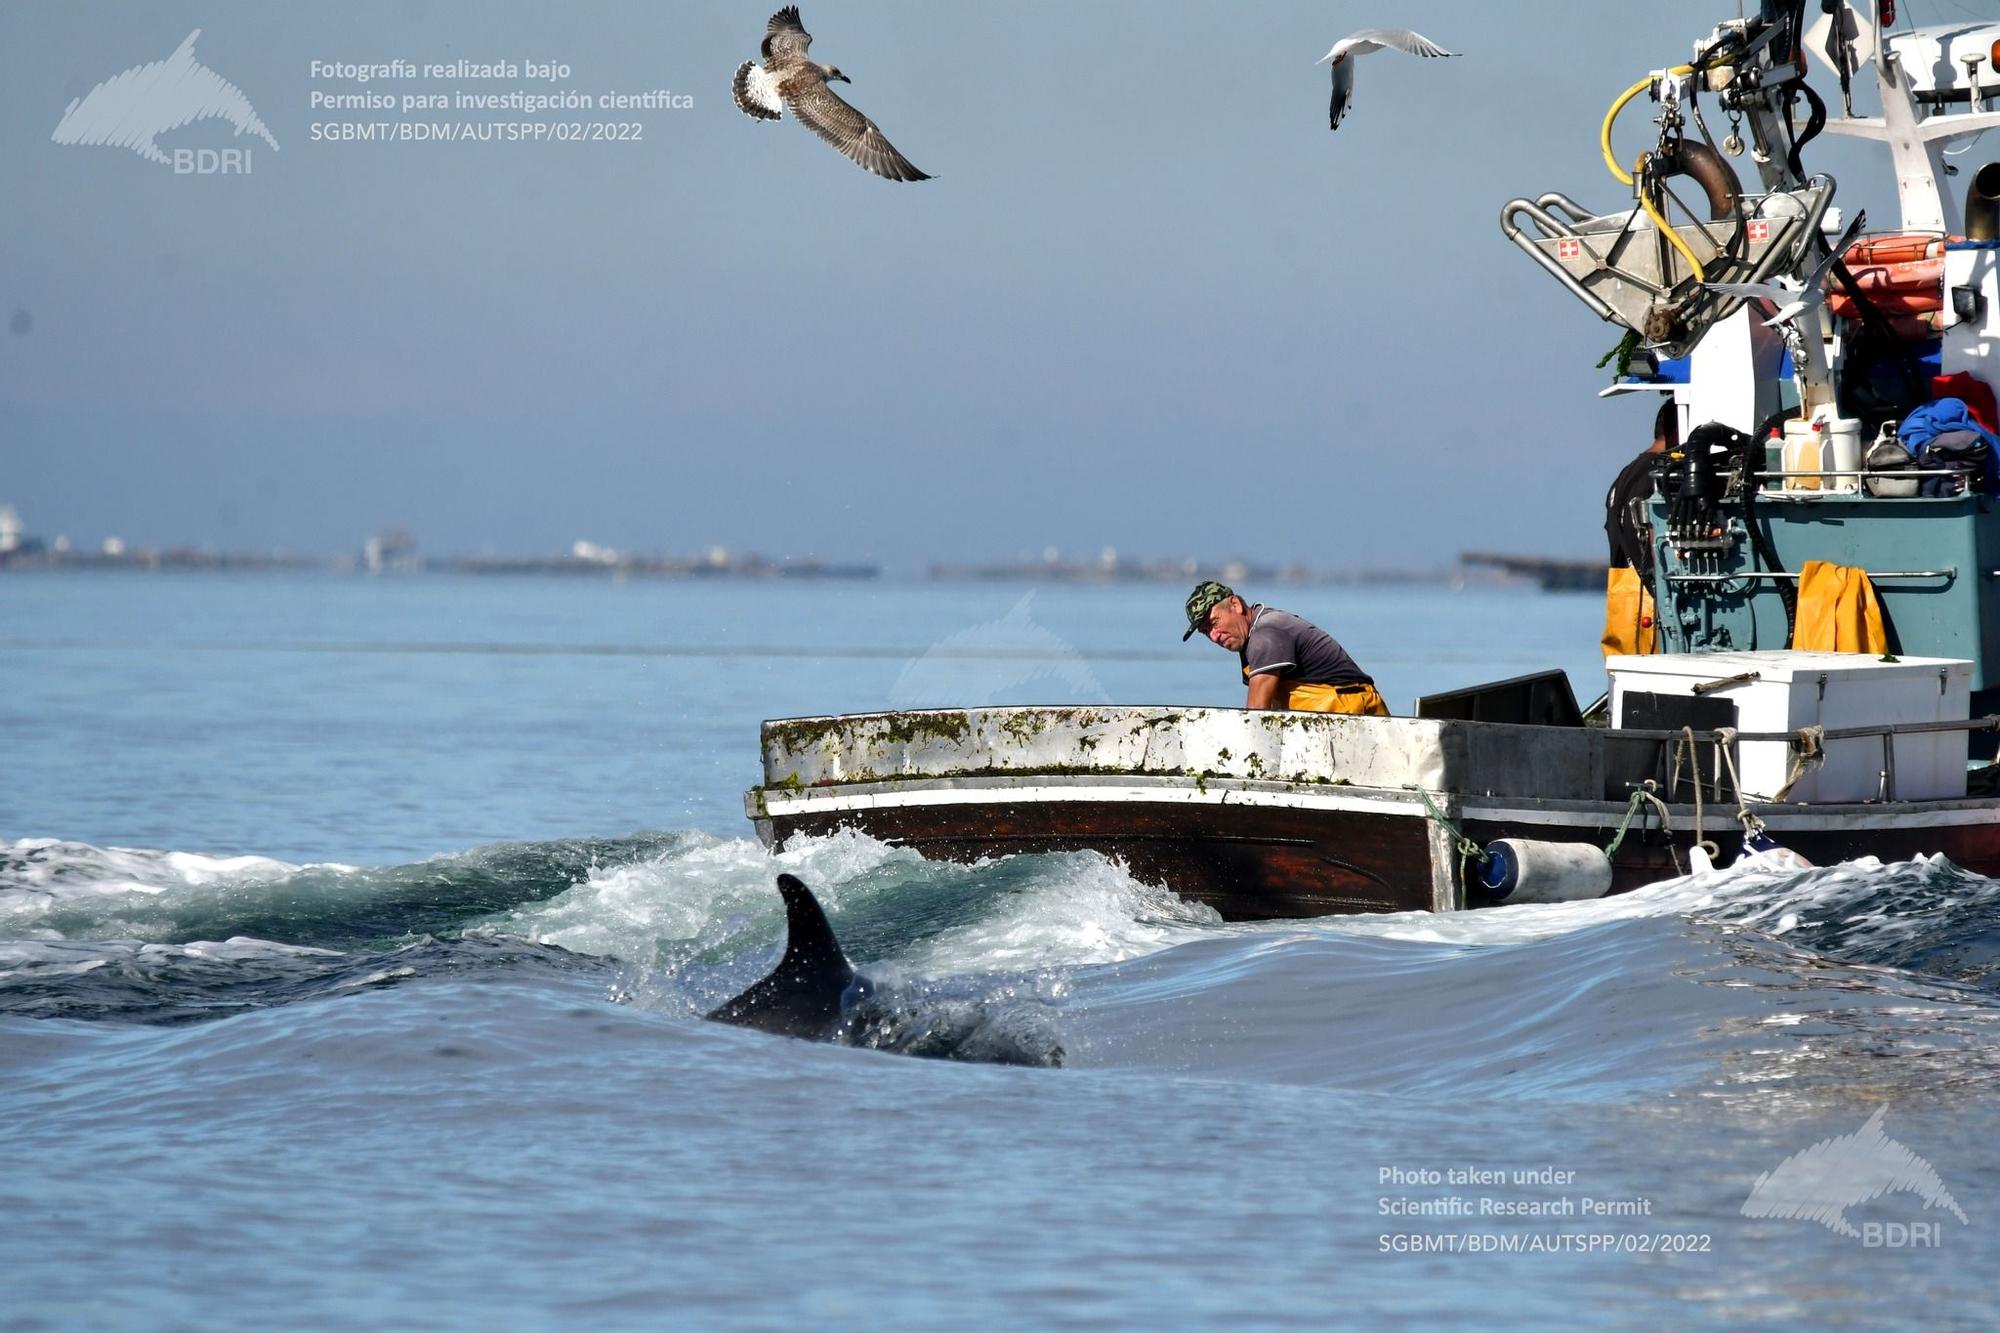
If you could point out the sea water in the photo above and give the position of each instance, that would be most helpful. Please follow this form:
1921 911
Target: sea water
354 934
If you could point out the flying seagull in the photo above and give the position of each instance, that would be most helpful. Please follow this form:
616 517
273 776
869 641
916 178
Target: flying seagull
1360 44
788 79
1809 297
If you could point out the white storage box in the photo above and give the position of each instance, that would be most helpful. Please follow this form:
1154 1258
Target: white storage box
1833 690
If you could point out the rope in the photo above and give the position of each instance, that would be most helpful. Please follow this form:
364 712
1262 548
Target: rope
1640 796
1685 748
1467 849
1810 746
1725 737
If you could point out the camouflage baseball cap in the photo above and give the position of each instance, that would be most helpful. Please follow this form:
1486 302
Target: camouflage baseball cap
1207 595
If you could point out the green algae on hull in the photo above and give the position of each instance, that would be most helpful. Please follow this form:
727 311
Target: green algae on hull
1056 741
1201 778
802 733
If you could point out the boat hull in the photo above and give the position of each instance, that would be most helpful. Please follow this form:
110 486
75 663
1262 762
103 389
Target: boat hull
1262 853
1267 815
1247 862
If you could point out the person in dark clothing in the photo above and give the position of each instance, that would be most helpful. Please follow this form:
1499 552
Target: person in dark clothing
1286 662
1625 526
1628 602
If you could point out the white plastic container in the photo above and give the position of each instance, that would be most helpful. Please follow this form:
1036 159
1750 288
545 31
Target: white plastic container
1843 453
1833 690
1817 451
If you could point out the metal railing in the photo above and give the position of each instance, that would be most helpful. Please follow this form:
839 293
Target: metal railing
1887 731
1874 575
1991 722
1885 474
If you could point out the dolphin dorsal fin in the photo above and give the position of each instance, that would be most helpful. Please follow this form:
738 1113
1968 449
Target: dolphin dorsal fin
810 946
802 995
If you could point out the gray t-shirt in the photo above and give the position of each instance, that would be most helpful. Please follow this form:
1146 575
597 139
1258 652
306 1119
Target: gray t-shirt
1281 644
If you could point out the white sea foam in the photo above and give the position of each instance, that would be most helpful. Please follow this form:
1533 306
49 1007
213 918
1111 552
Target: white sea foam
1753 886
1905 915
84 956
1070 911
1088 910
688 893
55 890
237 947
71 870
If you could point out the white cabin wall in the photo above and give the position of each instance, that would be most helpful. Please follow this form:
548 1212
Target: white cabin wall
1733 375
1973 345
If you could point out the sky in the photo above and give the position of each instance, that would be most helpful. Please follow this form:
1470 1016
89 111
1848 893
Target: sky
1149 302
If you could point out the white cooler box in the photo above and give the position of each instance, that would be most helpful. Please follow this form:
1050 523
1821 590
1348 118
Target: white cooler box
1833 690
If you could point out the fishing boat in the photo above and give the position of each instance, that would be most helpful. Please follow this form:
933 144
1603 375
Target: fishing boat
1811 664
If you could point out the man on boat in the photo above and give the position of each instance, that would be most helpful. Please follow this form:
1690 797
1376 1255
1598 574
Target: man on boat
1287 662
1629 615
1625 526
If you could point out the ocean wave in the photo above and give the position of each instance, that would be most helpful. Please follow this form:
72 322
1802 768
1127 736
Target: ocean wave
66 891
1764 975
131 981
59 869
1925 916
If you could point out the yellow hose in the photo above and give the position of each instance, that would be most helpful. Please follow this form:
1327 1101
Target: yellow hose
1673 237
1628 178
1604 136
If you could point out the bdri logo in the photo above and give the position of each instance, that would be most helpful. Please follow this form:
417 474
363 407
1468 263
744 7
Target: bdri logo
1822 1182
990 663
132 110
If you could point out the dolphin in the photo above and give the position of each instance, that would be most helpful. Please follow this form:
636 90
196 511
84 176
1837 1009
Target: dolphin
131 110
1822 1182
802 996
814 992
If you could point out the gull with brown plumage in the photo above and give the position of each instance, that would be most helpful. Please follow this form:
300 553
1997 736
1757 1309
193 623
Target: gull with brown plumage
787 79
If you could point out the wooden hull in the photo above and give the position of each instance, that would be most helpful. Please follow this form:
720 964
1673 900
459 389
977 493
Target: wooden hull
1257 854
1247 863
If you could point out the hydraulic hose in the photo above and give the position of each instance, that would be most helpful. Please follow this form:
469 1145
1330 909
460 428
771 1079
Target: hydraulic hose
1673 237
1611 116
1814 124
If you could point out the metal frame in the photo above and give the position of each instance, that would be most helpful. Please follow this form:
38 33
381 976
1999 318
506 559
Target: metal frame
1793 235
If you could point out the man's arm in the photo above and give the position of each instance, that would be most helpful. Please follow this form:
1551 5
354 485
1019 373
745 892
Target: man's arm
1264 691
